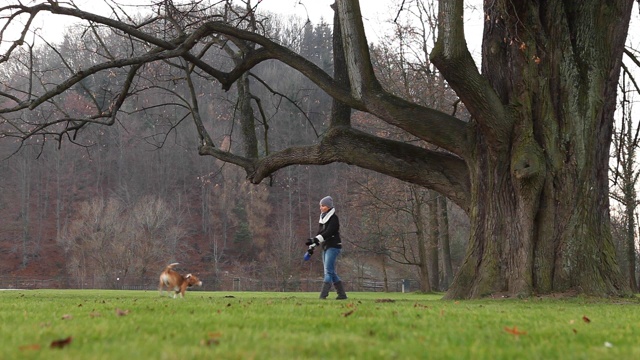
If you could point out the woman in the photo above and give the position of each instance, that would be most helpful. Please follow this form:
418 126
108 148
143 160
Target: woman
329 237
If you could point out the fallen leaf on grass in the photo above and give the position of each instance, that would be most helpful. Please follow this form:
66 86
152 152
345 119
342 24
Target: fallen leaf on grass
29 347
416 305
213 338
385 301
586 319
67 317
575 331
95 314
61 343
514 331
121 312
348 313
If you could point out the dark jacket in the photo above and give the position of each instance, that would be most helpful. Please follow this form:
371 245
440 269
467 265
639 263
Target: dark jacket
329 230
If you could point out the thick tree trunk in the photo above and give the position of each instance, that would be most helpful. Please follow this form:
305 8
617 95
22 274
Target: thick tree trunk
567 246
540 209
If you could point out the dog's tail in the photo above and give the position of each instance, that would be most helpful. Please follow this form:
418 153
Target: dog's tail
170 266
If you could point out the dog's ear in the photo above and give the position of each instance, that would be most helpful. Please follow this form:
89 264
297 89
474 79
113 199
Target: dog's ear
188 276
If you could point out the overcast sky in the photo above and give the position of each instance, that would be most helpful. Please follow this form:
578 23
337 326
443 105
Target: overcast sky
376 14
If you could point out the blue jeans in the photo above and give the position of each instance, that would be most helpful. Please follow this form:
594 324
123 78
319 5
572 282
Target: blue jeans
329 257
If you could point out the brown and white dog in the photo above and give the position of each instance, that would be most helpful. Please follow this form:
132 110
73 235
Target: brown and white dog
172 281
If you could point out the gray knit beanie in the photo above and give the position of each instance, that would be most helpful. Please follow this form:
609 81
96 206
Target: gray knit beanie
327 201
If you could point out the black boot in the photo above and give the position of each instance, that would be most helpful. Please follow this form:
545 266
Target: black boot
340 289
325 290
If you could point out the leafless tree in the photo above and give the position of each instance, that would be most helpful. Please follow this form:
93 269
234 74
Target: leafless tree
625 180
107 239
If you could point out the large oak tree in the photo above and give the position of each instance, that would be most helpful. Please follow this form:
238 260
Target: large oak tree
530 167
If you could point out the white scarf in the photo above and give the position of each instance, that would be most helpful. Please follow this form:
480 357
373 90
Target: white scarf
323 220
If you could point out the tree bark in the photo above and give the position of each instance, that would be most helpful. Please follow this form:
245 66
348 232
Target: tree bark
539 213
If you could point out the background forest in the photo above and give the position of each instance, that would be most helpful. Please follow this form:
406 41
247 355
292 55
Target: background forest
114 208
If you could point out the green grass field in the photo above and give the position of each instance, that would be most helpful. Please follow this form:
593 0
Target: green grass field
99 324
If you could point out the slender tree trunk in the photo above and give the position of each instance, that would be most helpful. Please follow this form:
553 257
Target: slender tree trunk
385 276
443 224
422 242
628 179
25 199
632 270
204 207
631 248
433 238
58 191
247 119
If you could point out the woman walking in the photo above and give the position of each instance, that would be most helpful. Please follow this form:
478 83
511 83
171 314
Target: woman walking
329 238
